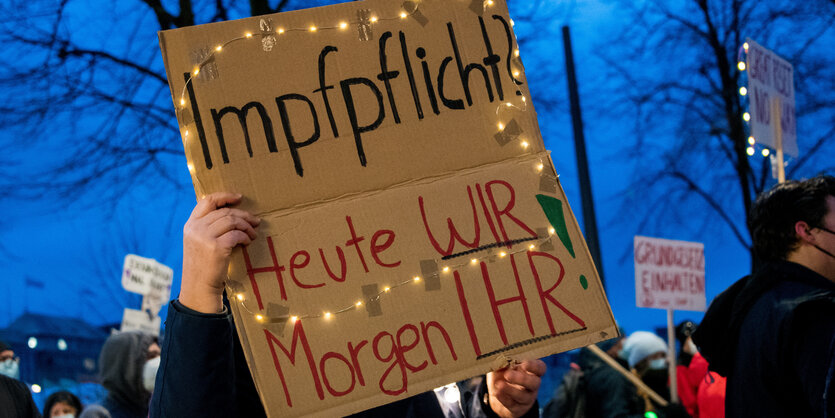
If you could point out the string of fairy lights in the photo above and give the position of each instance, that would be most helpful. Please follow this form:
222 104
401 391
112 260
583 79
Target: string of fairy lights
415 279
268 34
746 116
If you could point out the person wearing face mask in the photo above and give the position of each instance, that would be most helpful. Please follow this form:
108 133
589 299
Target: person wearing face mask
772 334
62 404
15 398
127 367
610 394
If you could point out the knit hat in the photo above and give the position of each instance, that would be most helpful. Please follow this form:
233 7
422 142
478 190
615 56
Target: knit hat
642 344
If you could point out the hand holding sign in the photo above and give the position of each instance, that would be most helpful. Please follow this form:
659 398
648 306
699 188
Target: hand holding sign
210 234
513 390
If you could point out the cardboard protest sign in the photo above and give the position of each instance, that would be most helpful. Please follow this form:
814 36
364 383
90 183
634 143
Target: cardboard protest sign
669 274
146 276
771 83
136 320
414 231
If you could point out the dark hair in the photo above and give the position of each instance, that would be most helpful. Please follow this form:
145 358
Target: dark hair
62 396
776 211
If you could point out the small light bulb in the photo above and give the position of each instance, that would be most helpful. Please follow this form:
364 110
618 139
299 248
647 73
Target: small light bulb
532 246
218 48
196 71
359 303
552 231
516 53
36 388
489 2
502 254
386 289
525 144
508 104
539 167
240 296
766 152
516 73
745 46
327 315
417 278
191 170
186 132
746 116
446 269
373 19
259 317
751 140
343 25
524 99
248 34
512 23
312 28
403 15
473 261
280 30
182 102
294 318
743 91
750 150
741 65
501 126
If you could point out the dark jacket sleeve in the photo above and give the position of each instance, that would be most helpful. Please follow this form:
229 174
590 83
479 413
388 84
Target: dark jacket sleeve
812 354
198 373
610 395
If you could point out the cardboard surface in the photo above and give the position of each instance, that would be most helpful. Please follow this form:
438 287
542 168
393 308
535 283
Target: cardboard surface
669 274
770 79
399 173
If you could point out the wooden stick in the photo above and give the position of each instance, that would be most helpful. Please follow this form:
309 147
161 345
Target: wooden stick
628 375
671 357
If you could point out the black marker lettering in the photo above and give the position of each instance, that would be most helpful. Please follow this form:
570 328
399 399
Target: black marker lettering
201 133
324 89
464 72
452 104
491 59
352 111
405 52
385 75
266 122
288 131
427 79
509 49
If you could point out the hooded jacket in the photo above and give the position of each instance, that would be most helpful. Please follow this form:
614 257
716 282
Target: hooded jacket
120 366
772 335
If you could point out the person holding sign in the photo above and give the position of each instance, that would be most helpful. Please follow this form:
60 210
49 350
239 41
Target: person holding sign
772 334
203 371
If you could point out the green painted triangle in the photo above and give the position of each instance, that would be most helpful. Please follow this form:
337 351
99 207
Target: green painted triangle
553 211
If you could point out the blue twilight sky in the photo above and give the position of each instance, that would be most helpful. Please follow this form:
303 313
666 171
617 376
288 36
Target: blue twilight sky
68 262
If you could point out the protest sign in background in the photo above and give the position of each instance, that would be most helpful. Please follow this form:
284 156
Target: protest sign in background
414 230
771 83
669 274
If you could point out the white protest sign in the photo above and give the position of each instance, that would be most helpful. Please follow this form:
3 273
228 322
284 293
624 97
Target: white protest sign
669 274
146 276
771 83
135 320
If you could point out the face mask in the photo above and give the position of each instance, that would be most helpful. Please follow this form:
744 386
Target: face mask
149 374
10 368
658 364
